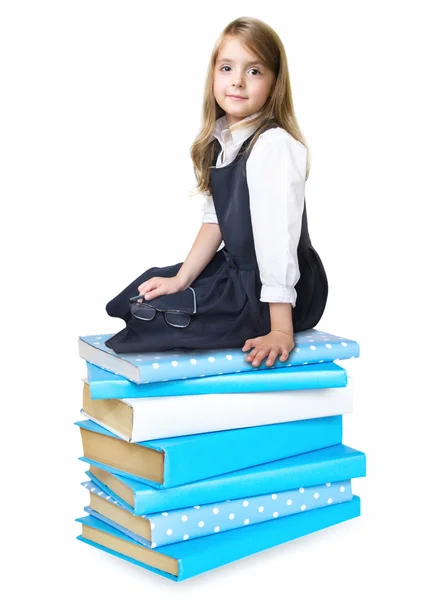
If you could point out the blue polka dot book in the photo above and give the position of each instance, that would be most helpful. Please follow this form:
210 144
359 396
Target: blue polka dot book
311 347
173 526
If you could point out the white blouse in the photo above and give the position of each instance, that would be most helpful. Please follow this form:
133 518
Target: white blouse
276 172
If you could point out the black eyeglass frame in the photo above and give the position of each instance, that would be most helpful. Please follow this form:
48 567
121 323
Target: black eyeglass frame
134 300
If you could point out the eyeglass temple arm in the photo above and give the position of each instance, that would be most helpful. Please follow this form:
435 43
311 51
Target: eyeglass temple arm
137 297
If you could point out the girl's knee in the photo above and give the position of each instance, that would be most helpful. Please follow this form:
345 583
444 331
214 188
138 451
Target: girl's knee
110 308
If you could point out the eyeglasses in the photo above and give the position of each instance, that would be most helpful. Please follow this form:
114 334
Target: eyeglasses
146 312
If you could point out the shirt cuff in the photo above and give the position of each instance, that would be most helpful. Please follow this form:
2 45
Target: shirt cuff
278 294
209 218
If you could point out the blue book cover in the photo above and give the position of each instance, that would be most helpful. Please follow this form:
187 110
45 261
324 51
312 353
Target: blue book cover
170 527
104 385
330 465
311 347
189 558
174 461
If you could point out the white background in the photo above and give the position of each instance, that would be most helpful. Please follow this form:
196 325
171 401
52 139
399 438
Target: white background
100 103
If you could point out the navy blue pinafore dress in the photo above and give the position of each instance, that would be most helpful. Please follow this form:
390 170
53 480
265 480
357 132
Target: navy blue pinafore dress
229 310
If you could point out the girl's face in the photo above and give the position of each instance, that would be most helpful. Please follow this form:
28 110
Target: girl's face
240 73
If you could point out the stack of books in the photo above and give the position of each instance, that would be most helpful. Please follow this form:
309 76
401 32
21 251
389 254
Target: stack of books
197 459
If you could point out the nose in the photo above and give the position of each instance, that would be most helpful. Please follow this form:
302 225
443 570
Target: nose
238 79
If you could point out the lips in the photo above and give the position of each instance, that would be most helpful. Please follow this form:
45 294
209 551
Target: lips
237 97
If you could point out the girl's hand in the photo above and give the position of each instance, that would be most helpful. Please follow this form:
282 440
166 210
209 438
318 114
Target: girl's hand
160 286
271 345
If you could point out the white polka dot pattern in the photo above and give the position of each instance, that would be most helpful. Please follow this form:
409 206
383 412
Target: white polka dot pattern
188 523
311 347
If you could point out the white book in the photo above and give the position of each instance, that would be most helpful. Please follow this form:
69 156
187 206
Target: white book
143 419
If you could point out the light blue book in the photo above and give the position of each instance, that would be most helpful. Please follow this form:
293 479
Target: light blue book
333 464
169 462
192 557
104 384
169 527
311 347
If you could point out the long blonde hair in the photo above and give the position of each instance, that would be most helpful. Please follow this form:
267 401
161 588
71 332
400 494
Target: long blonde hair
262 41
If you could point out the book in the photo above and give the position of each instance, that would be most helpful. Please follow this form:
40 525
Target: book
142 419
170 527
189 558
104 384
332 464
311 347
174 461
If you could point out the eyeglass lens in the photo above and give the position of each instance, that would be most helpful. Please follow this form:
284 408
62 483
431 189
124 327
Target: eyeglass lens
145 313
177 319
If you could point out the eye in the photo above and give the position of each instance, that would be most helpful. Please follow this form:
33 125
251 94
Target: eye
227 67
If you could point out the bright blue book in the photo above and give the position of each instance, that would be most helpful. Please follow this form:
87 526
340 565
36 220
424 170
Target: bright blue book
104 385
174 461
311 347
330 465
192 557
169 527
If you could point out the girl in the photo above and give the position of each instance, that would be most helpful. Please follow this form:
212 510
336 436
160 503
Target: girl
267 281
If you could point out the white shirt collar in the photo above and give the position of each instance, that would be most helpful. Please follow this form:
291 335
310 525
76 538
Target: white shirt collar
222 129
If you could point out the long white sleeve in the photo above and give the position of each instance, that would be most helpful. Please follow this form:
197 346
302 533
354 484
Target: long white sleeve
276 172
208 208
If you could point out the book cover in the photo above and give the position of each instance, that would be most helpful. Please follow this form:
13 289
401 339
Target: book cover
104 384
174 461
189 558
169 527
311 347
142 419
333 464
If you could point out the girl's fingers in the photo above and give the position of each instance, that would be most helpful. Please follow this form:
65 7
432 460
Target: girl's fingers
142 289
148 286
259 357
247 345
284 354
252 354
154 293
151 283
272 356
251 343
